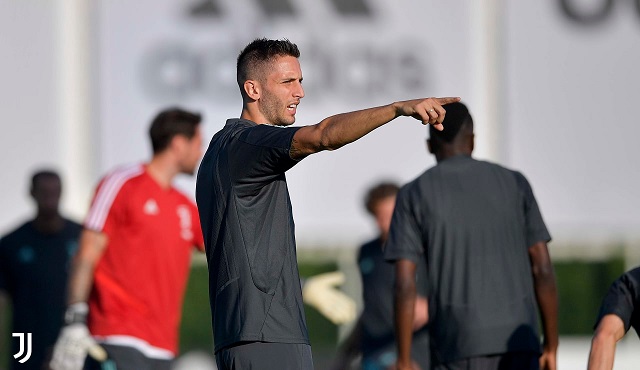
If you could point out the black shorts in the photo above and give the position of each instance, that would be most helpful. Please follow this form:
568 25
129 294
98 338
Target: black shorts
264 355
505 361
126 358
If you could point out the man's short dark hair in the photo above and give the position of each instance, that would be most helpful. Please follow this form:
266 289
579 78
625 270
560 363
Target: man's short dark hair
457 117
170 123
260 51
41 174
379 192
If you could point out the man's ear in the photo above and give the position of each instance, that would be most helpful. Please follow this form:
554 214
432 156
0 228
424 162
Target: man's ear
178 143
252 89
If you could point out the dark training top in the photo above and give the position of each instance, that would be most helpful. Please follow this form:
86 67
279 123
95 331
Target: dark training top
472 221
34 269
247 223
378 336
623 300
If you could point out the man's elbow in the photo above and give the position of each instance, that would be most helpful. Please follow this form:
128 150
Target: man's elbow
326 143
604 337
543 273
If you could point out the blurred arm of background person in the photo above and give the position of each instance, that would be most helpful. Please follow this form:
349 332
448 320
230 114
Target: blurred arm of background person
75 341
547 297
376 322
350 348
618 312
92 246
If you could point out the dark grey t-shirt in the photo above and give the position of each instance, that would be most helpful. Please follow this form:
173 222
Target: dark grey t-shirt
623 300
472 222
247 223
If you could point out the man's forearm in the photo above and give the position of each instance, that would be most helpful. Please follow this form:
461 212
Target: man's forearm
345 128
92 245
80 281
547 298
405 298
603 349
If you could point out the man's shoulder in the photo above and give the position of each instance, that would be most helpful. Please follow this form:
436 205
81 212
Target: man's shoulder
121 175
635 272
15 234
370 245
632 278
498 167
73 225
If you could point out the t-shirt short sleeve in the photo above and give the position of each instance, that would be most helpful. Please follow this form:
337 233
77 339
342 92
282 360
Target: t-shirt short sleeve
109 204
198 239
262 153
535 228
622 299
405 237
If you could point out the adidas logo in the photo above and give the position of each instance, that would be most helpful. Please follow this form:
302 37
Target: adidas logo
151 207
356 69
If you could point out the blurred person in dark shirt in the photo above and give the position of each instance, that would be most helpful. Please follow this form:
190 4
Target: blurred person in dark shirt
373 336
34 265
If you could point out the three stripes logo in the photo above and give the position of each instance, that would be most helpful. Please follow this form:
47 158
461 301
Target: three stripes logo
25 348
279 8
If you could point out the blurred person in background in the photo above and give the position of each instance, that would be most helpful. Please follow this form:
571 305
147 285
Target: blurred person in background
373 336
620 310
243 200
128 278
478 227
34 265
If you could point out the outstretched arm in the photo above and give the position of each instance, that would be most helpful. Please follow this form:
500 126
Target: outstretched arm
603 346
336 131
547 297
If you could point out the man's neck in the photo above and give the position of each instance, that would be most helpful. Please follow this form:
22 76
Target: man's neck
48 224
252 113
163 170
449 152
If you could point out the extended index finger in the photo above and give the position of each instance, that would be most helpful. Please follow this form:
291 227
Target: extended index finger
448 100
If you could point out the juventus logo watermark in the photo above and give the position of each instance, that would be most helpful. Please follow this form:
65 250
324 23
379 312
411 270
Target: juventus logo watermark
25 356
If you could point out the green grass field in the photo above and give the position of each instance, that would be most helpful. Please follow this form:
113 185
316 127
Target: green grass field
581 287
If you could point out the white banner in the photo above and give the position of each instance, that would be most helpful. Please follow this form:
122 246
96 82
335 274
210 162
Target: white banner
355 54
572 113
